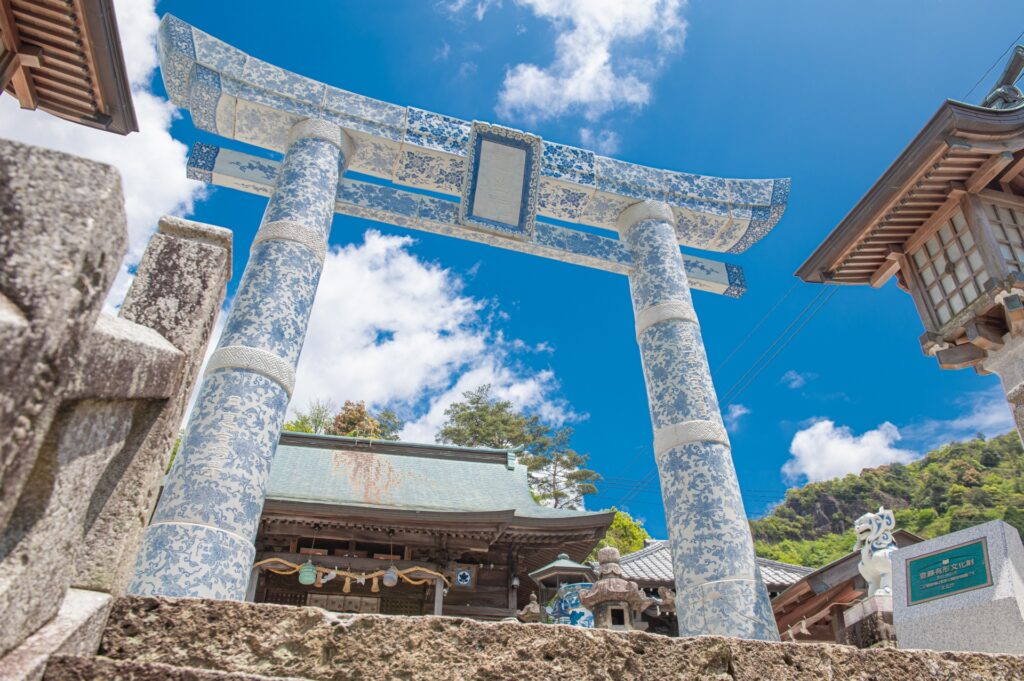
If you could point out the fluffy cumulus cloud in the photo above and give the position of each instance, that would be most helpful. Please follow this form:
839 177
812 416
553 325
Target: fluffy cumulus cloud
151 162
733 415
606 54
824 450
391 329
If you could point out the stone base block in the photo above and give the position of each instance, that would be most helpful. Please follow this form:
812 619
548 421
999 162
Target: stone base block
986 613
72 668
309 643
76 630
869 623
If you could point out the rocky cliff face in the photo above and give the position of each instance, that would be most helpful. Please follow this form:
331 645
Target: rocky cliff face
149 638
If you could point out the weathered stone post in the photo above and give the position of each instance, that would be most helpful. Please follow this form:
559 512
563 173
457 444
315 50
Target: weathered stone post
718 587
200 541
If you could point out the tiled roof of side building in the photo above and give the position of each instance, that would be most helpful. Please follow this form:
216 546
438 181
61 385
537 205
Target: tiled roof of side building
348 471
653 563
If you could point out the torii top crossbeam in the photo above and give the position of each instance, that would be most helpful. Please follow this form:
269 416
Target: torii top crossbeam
240 97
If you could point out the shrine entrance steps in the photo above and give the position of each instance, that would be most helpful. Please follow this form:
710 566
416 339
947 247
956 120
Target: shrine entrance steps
195 640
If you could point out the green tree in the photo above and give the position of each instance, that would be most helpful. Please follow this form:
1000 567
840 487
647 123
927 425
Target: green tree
481 420
557 473
390 424
952 487
356 420
625 534
317 418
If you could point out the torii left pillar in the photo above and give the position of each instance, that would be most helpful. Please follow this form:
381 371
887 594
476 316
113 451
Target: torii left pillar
719 591
200 541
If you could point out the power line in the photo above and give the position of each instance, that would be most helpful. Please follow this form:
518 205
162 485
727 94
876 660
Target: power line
994 64
728 394
736 390
755 328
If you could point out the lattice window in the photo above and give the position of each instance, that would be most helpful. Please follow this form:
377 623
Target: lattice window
400 606
951 268
1008 228
282 597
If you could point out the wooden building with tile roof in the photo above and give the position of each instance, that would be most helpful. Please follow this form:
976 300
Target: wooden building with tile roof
811 608
651 569
64 57
363 505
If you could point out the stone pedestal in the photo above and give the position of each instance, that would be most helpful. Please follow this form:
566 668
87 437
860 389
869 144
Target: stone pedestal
718 586
200 541
869 623
962 591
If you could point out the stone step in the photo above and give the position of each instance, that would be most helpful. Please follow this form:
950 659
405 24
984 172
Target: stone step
285 641
75 668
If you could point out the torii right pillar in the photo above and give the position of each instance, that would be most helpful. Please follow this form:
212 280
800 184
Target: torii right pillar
718 586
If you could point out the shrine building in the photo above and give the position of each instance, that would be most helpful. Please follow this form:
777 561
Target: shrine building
946 221
427 519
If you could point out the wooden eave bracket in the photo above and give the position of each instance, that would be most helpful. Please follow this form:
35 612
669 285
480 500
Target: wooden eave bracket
988 171
960 356
888 268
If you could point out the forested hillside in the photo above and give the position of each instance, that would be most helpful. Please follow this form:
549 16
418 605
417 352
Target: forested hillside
956 486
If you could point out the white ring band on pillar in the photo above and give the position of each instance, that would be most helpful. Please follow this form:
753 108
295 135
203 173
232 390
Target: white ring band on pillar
253 359
671 309
689 431
289 230
322 130
644 210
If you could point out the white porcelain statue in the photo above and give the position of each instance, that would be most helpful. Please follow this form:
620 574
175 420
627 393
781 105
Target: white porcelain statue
876 544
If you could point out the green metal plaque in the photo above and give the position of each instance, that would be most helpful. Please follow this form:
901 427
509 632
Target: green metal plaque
949 571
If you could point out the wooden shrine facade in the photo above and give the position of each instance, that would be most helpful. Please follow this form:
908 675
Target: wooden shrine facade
64 57
362 506
947 220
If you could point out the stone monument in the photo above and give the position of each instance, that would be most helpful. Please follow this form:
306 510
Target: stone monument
503 185
962 591
89 403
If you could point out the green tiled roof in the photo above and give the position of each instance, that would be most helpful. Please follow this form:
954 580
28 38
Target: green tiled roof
380 474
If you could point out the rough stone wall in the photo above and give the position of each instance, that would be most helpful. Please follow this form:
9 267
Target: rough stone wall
284 641
89 403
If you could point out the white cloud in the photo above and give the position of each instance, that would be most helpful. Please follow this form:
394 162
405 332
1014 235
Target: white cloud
598 64
824 450
393 330
151 162
983 411
734 414
603 141
479 7
794 379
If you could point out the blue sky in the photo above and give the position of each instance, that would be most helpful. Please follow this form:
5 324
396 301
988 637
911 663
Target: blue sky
825 93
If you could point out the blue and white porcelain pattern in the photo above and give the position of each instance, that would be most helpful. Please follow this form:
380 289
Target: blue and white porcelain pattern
241 97
718 588
248 173
200 541
527 189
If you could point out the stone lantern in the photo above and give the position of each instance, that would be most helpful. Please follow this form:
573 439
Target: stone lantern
947 219
616 602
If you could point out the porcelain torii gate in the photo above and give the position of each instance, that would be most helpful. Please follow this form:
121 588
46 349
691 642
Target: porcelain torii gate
200 541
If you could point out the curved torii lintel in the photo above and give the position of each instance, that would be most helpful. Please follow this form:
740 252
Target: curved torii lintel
237 96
